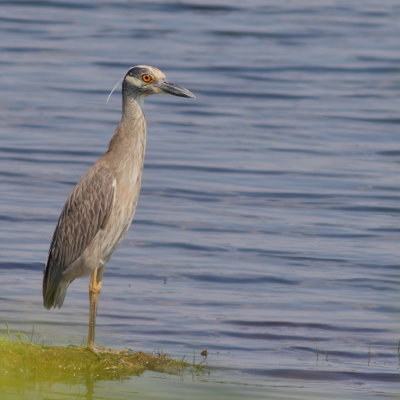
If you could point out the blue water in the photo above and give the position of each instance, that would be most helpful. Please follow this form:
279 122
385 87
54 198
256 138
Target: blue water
268 226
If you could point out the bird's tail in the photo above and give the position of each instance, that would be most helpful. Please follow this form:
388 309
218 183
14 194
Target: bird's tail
54 290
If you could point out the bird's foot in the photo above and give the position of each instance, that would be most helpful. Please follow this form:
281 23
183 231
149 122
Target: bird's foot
96 349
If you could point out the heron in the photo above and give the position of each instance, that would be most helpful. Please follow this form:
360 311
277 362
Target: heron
101 206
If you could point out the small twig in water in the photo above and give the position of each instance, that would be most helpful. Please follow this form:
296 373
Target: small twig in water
8 330
369 354
316 350
32 333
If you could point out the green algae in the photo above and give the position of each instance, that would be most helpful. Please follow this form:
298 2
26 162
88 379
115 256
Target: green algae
24 361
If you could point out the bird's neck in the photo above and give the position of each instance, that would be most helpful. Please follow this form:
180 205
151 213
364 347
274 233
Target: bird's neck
132 103
130 136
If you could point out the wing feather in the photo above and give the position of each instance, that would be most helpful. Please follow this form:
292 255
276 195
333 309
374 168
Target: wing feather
86 211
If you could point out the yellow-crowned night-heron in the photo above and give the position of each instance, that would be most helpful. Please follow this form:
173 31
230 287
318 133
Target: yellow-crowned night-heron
100 208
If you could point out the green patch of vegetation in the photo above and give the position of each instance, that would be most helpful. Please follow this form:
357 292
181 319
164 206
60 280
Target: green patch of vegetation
21 360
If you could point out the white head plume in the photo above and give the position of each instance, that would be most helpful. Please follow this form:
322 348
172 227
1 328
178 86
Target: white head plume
115 86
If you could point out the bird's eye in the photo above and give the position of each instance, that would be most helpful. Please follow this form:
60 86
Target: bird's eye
147 78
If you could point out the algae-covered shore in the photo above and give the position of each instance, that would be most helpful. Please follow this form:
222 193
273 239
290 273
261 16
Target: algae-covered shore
22 360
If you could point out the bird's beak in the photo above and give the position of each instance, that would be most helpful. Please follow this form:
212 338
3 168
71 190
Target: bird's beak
176 90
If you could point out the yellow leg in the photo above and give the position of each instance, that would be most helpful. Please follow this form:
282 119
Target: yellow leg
94 292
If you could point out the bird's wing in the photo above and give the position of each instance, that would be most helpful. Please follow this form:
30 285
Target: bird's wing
86 211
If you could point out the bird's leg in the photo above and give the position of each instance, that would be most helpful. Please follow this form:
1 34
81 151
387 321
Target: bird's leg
94 292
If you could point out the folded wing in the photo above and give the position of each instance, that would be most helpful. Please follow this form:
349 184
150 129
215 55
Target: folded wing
85 213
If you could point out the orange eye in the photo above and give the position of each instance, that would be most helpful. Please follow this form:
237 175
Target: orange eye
147 78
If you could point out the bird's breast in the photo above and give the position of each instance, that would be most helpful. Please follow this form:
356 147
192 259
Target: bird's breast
127 189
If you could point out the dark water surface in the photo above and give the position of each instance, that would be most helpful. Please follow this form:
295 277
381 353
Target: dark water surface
268 228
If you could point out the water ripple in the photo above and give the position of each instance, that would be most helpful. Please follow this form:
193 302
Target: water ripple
268 225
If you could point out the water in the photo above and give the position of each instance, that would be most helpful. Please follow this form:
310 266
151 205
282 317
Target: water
269 221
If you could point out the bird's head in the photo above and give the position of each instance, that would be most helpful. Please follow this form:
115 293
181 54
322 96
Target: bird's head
144 80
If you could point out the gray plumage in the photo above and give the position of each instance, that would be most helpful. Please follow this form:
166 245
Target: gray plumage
85 213
100 208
